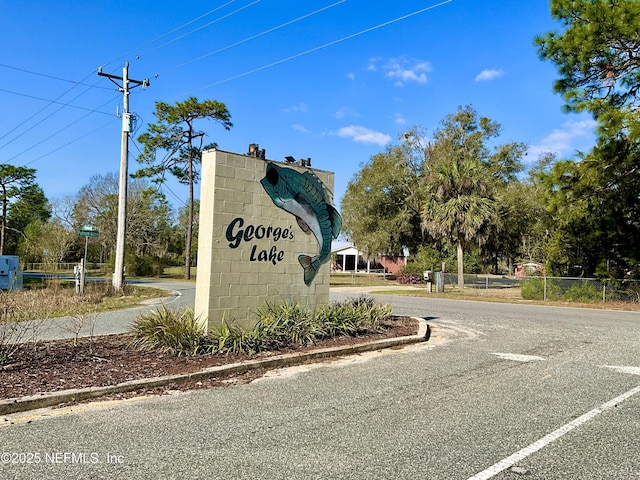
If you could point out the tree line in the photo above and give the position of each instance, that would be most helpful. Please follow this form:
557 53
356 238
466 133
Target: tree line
456 196
44 231
459 197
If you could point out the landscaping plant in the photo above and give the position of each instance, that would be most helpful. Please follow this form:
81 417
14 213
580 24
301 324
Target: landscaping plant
278 326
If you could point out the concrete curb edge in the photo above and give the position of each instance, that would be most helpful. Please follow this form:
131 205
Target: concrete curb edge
23 404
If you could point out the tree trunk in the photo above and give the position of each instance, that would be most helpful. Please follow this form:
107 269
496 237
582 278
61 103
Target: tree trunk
3 225
187 255
460 263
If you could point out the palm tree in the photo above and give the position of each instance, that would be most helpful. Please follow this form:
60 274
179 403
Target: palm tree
459 205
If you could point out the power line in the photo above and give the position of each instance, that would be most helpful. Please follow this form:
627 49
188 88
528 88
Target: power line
51 102
54 102
253 37
205 26
334 42
43 109
169 33
39 74
69 143
212 53
45 118
57 132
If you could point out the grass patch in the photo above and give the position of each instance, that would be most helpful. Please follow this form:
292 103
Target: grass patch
58 299
178 272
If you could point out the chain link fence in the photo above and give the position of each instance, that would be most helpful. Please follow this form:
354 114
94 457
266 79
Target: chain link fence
64 267
586 290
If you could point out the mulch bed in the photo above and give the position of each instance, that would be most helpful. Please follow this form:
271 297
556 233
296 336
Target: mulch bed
57 365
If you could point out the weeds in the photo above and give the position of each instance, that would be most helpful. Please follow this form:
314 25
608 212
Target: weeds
14 331
79 322
24 314
59 300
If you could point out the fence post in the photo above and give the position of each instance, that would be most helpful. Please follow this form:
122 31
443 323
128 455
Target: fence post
604 293
545 289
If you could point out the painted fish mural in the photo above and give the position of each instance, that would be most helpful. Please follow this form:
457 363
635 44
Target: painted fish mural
302 195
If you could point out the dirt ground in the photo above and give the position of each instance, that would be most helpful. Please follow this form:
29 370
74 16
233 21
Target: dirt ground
57 365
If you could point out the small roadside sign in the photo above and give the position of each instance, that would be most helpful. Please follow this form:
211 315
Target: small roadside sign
86 232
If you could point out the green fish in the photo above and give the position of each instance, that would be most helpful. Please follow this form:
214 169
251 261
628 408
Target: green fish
302 195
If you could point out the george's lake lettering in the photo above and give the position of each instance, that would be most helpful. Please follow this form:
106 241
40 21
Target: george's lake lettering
238 233
272 255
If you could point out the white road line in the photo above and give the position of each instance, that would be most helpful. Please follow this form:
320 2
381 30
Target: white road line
518 358
176 296
553 436
631 370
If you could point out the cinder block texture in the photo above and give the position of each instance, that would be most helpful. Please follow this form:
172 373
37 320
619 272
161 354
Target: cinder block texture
249 248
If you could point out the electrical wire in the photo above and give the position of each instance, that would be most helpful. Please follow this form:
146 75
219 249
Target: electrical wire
253 37
164 35
92 73
69 143
69 125
417 12
50 102
53 102
205 25
31 72
162 184
298 55
42 110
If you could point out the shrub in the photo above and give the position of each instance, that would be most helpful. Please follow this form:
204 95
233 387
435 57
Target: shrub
145 265
225 338
171 331
583 292
278 326
285 324
534 289
352 317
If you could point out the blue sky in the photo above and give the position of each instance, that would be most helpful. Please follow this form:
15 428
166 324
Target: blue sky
334 80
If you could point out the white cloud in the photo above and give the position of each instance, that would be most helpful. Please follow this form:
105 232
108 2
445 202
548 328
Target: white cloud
300 128
351 76
564 141
404 71
372 67
360 134
399 119
345 112
301 107
486 75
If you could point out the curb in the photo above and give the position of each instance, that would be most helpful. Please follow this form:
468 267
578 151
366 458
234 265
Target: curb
23 404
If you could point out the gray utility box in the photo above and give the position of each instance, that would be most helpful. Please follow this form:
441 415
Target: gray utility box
10 274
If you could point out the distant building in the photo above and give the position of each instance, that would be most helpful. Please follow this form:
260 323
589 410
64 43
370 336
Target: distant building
528 269
346 258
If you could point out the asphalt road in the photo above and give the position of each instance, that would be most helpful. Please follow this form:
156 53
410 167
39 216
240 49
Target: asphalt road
500 391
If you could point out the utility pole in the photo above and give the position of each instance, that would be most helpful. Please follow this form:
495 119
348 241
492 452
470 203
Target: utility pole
127 83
